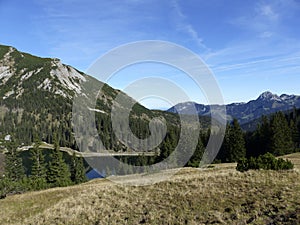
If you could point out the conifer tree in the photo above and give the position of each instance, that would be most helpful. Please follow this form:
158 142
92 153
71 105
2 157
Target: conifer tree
295 133
38 169
77 170
222 155
238 149
198 154
58 173
263 140
140 161
281 136
14 169
233 147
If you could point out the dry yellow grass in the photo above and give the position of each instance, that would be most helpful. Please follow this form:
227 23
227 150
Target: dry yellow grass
218 195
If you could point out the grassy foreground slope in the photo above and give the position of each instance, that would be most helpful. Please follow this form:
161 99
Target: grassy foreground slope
218 195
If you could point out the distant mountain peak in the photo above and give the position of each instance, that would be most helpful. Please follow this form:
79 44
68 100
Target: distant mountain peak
265 104
267 95
287 97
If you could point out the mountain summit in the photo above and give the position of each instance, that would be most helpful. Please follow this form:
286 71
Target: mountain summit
22 74
268 96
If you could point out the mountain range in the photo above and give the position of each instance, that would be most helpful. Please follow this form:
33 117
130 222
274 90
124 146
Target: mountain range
267 103
36 97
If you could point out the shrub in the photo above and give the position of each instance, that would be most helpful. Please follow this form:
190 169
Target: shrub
4 186
9 187
242 165
266 162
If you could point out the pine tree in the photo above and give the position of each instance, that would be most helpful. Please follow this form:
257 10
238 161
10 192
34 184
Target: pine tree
234 143
263 136
58 173
77 170
14 169
198 154
295 133
38 169
281 136
237 137
222 155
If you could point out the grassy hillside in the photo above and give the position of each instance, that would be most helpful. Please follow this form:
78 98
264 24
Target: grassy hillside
218 195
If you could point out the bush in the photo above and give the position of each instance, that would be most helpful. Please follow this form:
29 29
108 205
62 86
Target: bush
4 186
242 165
9 187
266 162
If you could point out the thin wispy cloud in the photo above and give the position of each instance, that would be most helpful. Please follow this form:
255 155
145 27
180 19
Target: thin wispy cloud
183 26
84 32
274 62
249 45
268 11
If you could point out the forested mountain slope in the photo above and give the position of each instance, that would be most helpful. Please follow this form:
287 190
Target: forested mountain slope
36 97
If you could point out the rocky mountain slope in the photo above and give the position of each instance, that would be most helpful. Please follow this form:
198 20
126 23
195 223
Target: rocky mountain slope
21 74
36 97
265 104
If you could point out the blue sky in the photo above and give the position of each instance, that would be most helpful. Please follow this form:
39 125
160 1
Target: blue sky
250 46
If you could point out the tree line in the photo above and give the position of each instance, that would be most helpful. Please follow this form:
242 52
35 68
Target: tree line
42 173
277 134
